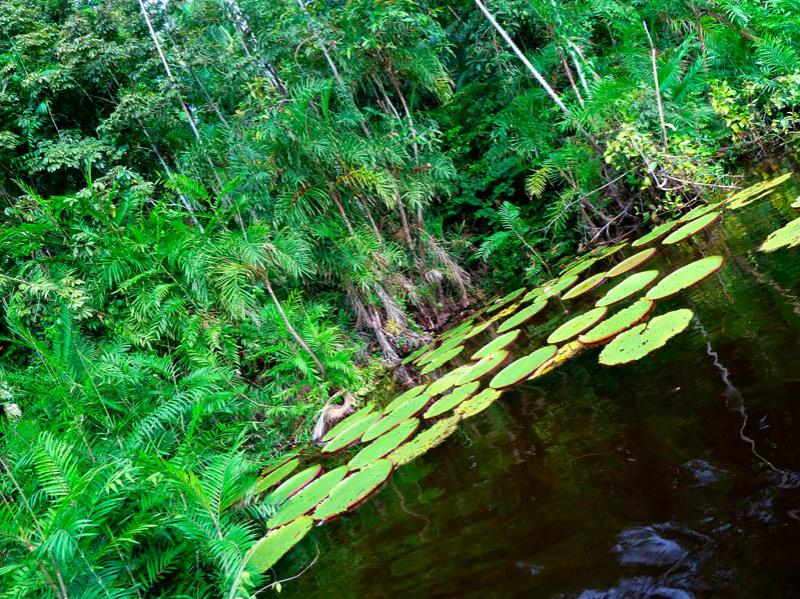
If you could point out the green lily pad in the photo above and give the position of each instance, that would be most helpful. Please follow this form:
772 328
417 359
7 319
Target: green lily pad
586 286
564 353
478 403
294 484
479 328
417 353
442 360
581 266
425 441
268 550
746 196
276 475
604 251
522 316
655 234
384 444
446 381
484 366
307 499
459 329
501 342
411 408
521 369
442 350
505 300
684 277
352 433
353 489
619 322
532 295
699 211
643 339
692 228
632 262
405 396
577 325
348 422
558 286
629 286
451 400
787 236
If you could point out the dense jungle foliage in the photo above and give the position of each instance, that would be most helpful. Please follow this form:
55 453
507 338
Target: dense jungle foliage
220 215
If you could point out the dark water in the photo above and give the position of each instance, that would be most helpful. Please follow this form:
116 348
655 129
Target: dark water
673 477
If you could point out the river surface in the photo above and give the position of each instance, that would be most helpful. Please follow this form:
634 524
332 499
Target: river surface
677 476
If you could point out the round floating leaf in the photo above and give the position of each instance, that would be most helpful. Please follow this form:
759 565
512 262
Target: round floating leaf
656 234
484 366
632 262
532 295
452 399
442 350
699 211
352 490
586 286
522 316
692 228
411 408
787 236
634 344
501 342
742 202
404 397
507 299
417 353
479 328
746 196
425 441
577 325
557 286
352 433
446 381
442 360
619 322
268 550
604 251
462 327
521 369
384 444
307 499
510 310
348 422
684 277
277 474
580 266
294 484
564 353
629 286
478 403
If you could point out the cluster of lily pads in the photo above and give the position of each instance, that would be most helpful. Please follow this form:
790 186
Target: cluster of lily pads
376 440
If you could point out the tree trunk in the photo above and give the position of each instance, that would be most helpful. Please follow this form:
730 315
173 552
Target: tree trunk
657 87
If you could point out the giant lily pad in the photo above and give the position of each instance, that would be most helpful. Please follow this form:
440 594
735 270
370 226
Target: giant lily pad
696 213
582 265
451 400
632 262
425 441
268 550
411 408
405 396
351 434
484 366
746 196
505 300
349 421
604 251
746 201
521 369
307 499
656 234
629 286
384 444
643 339
294 484
564 353
417 353
451 379
619 322
501 342
478 403
479 328
692 228
557 286
577 325
787 236
586 286
353 489
684 277
442 360
442 350
276 475
522 316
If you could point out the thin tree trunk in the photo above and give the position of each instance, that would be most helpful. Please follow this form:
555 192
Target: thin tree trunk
657 87
337 201
409 118
578 68
292 331
571 79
